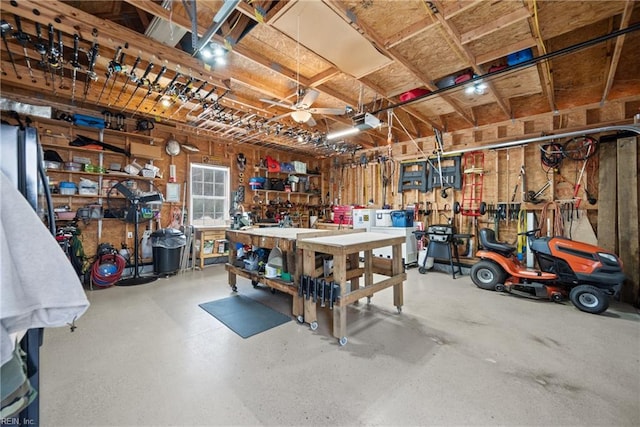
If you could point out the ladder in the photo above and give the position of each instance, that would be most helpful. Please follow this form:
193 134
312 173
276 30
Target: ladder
413 176
472 180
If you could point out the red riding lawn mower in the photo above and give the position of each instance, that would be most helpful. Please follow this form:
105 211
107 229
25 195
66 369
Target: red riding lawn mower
586 274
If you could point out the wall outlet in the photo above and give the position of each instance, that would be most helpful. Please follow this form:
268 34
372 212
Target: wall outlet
129 234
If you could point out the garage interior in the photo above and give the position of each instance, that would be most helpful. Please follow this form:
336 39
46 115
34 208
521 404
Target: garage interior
362 148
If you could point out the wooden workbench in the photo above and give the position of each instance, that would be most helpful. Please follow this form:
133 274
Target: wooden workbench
345 251
269 238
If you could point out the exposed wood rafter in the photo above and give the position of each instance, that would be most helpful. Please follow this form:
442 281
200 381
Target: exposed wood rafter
617 51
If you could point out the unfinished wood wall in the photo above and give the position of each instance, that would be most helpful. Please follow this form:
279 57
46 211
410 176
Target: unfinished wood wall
611 222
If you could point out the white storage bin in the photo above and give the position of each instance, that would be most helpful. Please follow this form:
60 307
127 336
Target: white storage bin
383 218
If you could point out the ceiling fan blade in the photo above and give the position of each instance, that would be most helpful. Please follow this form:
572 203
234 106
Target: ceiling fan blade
308 99
327 111
278 103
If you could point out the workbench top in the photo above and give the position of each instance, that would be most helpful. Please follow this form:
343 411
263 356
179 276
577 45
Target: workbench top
351 239
277 232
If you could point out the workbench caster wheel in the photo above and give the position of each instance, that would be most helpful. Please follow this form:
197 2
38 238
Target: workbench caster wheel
368 300
254 283
300 319
273 290
342 341
313 325
234 288
422 270
399 309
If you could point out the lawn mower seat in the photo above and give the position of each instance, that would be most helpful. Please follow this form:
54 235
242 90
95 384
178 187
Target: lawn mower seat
488 241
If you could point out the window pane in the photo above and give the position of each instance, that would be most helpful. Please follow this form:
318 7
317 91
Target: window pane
208 175
219 176
208 189
197 189
219 190
197 174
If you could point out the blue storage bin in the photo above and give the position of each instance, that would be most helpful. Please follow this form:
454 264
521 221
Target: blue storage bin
519 57
402 218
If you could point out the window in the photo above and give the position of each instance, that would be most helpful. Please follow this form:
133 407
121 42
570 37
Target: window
209 195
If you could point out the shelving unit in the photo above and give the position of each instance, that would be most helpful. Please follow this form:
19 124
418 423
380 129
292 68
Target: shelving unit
57 135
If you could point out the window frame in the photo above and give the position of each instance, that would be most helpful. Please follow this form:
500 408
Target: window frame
227 194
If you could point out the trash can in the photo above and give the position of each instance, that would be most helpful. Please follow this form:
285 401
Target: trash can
166 244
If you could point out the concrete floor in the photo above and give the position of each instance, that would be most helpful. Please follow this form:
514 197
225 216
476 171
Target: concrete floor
457 355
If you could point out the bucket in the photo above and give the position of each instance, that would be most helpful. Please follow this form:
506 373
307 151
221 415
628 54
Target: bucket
270 271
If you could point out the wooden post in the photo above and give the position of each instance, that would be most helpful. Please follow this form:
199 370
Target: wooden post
628 237
607 195
396 269
309 268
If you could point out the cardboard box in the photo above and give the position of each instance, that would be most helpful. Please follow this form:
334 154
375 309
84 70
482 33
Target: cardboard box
145 151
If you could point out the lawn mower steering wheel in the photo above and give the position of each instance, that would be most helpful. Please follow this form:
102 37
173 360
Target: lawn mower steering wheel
529 233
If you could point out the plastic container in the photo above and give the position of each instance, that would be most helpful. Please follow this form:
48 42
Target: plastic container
73 166
167 244
383 218
68 188
342 214
402 218
519 57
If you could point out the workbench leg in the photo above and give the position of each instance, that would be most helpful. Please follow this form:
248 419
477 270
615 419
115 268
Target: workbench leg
298 302
368 271
354 262
339 310
396 269
309 267
232 259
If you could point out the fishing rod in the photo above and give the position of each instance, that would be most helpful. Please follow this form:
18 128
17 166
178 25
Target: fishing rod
153 86
54 64
76 66
110 71
141 81
41 48
190 96
180 94
169 88
61 60
215 106
130 76
91 75
118 68
23 38
203 101
5 28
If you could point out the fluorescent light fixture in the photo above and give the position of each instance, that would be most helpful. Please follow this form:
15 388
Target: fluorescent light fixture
301 116
206 53
341 133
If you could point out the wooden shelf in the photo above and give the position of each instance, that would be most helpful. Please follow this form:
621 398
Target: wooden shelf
288 192
113 132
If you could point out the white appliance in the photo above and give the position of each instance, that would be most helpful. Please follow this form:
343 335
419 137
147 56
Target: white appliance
409 247
363 218
383 218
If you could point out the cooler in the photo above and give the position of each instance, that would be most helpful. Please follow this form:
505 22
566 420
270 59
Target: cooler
364 218
383 218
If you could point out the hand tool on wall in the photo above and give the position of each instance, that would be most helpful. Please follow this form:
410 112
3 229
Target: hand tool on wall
23 38
141 81
515 189
131 75
110 71
152 86
91 75
76 66
41 48
6 28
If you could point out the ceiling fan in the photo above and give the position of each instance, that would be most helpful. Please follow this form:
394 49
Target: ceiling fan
301 110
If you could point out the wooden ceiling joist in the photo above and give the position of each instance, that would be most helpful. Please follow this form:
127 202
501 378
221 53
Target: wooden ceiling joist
617 51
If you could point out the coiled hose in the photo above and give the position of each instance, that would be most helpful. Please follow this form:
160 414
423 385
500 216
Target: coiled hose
103 280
